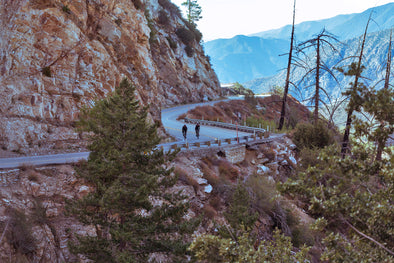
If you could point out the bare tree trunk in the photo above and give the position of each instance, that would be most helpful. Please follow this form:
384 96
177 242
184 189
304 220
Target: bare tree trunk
286 90
382 143
346 136
317 86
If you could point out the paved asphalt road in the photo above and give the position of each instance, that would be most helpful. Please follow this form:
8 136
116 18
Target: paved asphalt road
207 133
173 127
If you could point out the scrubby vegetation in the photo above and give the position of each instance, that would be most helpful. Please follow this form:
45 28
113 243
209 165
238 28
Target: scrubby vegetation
308 135
173 9
46 71
353 193
237 89
185 35
253 111
18 232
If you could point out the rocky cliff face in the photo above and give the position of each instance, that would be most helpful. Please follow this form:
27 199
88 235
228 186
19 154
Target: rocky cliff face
58 55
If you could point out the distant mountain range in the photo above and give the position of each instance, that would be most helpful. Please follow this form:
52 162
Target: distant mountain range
374 60
256 59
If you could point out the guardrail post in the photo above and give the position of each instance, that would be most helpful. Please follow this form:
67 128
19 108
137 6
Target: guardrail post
228 141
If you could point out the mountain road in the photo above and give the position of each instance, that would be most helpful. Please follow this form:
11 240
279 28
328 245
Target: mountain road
171 124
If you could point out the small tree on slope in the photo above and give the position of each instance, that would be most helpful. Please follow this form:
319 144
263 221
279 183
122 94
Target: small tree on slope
128 174
193 11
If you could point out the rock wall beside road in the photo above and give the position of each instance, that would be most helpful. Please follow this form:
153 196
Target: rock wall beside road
57 56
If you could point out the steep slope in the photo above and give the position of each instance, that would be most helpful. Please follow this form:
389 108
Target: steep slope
57 56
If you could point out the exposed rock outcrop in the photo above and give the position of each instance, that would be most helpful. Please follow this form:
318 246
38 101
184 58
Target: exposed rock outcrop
58 55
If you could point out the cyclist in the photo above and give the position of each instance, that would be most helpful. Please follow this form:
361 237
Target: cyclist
197 130
184 131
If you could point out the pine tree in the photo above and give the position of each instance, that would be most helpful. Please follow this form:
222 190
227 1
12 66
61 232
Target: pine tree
131 209
193 11
380 105
240 214
355 99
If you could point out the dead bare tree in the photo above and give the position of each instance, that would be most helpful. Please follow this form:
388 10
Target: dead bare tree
319 42
289 63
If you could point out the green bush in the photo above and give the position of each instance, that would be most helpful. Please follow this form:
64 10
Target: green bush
163 18
173 9
193 28
66 9
308 135
19 233
240 213
308 157
46 71
189 51
257 122
186 36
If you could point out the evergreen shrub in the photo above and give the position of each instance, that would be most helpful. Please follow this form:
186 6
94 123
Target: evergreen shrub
173 9
189 51
186 36
163 18
66 9
308 135
193 28
19 233
46 71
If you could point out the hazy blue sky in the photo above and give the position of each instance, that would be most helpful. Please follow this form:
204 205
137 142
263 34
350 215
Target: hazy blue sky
227 18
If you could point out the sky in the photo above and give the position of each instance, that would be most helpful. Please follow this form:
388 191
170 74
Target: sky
228 18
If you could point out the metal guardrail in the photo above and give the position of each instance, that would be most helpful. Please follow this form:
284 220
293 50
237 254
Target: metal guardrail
220 142
227 125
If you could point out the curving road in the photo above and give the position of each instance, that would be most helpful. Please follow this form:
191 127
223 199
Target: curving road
207 133
172 126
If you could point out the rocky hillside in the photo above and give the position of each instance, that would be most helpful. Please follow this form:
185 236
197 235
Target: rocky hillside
36 228
58 55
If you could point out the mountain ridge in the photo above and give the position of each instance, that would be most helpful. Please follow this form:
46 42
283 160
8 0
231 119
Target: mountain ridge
375 55
354 22
344 27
